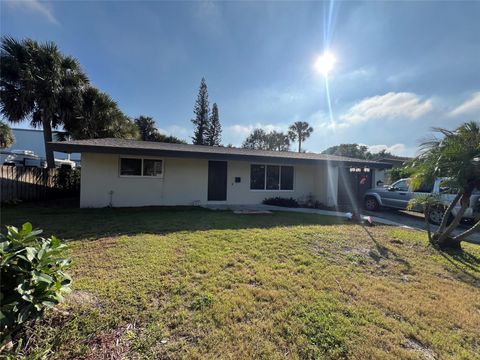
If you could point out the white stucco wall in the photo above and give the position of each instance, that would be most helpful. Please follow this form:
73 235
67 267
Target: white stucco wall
185 182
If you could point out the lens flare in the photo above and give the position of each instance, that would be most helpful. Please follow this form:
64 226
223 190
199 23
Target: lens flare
325 63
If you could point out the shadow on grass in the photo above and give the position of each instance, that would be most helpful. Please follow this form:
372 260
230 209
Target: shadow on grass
66 220
466 263
384 252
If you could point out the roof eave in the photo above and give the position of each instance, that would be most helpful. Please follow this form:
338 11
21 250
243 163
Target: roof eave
98 149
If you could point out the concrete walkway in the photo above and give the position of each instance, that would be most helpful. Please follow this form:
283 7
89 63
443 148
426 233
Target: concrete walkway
400 221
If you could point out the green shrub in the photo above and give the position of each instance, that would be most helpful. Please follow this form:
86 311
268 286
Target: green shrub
279 201
32 277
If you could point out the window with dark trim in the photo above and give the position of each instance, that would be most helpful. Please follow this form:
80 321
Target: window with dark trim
286 178
141 167
257 177
271 177
130 167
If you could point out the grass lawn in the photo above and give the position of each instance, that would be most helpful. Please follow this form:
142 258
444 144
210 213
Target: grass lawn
192 283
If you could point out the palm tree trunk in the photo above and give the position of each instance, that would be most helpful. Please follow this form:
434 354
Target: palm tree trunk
444 240
467 233
446 215
47 137
299 144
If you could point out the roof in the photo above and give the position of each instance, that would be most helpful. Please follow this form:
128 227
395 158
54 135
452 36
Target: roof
149 148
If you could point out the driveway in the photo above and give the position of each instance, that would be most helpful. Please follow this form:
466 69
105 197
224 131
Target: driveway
416 221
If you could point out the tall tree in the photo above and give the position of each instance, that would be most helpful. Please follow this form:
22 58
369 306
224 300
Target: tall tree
261 140
201 111
38 83
214 130
98 116
146 127
455 156
300 131
6 136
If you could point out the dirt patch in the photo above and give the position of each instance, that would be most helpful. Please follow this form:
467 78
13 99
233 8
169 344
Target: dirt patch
81 298
112 345
424 351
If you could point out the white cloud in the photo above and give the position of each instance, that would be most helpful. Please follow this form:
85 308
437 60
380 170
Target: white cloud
396 149
36 6
389 106
178 131
468 107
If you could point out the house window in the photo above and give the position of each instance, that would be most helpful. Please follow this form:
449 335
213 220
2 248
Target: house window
271 177
257 177
130 167
141 167
286 178
152 167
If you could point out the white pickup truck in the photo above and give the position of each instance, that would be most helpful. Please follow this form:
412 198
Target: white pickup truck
398 195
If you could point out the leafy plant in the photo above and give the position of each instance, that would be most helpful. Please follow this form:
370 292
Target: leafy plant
279 201
33 277
456 156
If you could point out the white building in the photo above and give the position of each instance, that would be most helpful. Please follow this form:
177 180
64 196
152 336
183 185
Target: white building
117 172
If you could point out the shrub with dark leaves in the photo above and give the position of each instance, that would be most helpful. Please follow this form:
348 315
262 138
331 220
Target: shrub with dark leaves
279 201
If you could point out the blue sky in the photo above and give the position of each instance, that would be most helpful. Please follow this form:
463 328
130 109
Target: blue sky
402 67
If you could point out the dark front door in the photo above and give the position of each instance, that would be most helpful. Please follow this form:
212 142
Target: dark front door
217 180
352 186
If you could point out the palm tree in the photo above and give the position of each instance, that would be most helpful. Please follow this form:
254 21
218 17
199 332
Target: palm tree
147 128
40 84
6 136
456 156
301 131
97 116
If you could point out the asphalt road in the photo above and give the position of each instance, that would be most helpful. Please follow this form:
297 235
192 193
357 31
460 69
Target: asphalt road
416 220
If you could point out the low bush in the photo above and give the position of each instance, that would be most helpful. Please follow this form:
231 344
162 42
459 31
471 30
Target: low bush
32 277
279 201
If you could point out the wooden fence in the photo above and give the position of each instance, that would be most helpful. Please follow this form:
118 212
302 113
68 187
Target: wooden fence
31 184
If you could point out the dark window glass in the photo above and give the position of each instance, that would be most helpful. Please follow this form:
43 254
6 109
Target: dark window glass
286 181
132 167
257 177
401 185
273 177
152 167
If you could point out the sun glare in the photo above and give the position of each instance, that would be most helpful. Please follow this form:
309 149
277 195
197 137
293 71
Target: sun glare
324 63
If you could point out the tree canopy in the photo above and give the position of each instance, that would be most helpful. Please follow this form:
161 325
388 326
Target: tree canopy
261 140
97 116
299 131
357 151
6 136
40 84
149 132
214 129
201 111
454 155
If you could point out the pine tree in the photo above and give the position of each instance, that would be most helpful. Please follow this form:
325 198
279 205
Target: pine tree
214 131
201 111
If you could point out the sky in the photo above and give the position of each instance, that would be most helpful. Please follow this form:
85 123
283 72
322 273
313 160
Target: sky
401 67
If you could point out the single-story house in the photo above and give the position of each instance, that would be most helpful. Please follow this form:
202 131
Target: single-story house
118 172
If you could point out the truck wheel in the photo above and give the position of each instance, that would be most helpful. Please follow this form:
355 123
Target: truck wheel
371 204
436 215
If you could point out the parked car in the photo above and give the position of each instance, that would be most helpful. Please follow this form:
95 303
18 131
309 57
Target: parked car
400 193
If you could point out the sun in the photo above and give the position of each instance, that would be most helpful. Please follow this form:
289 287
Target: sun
324 63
